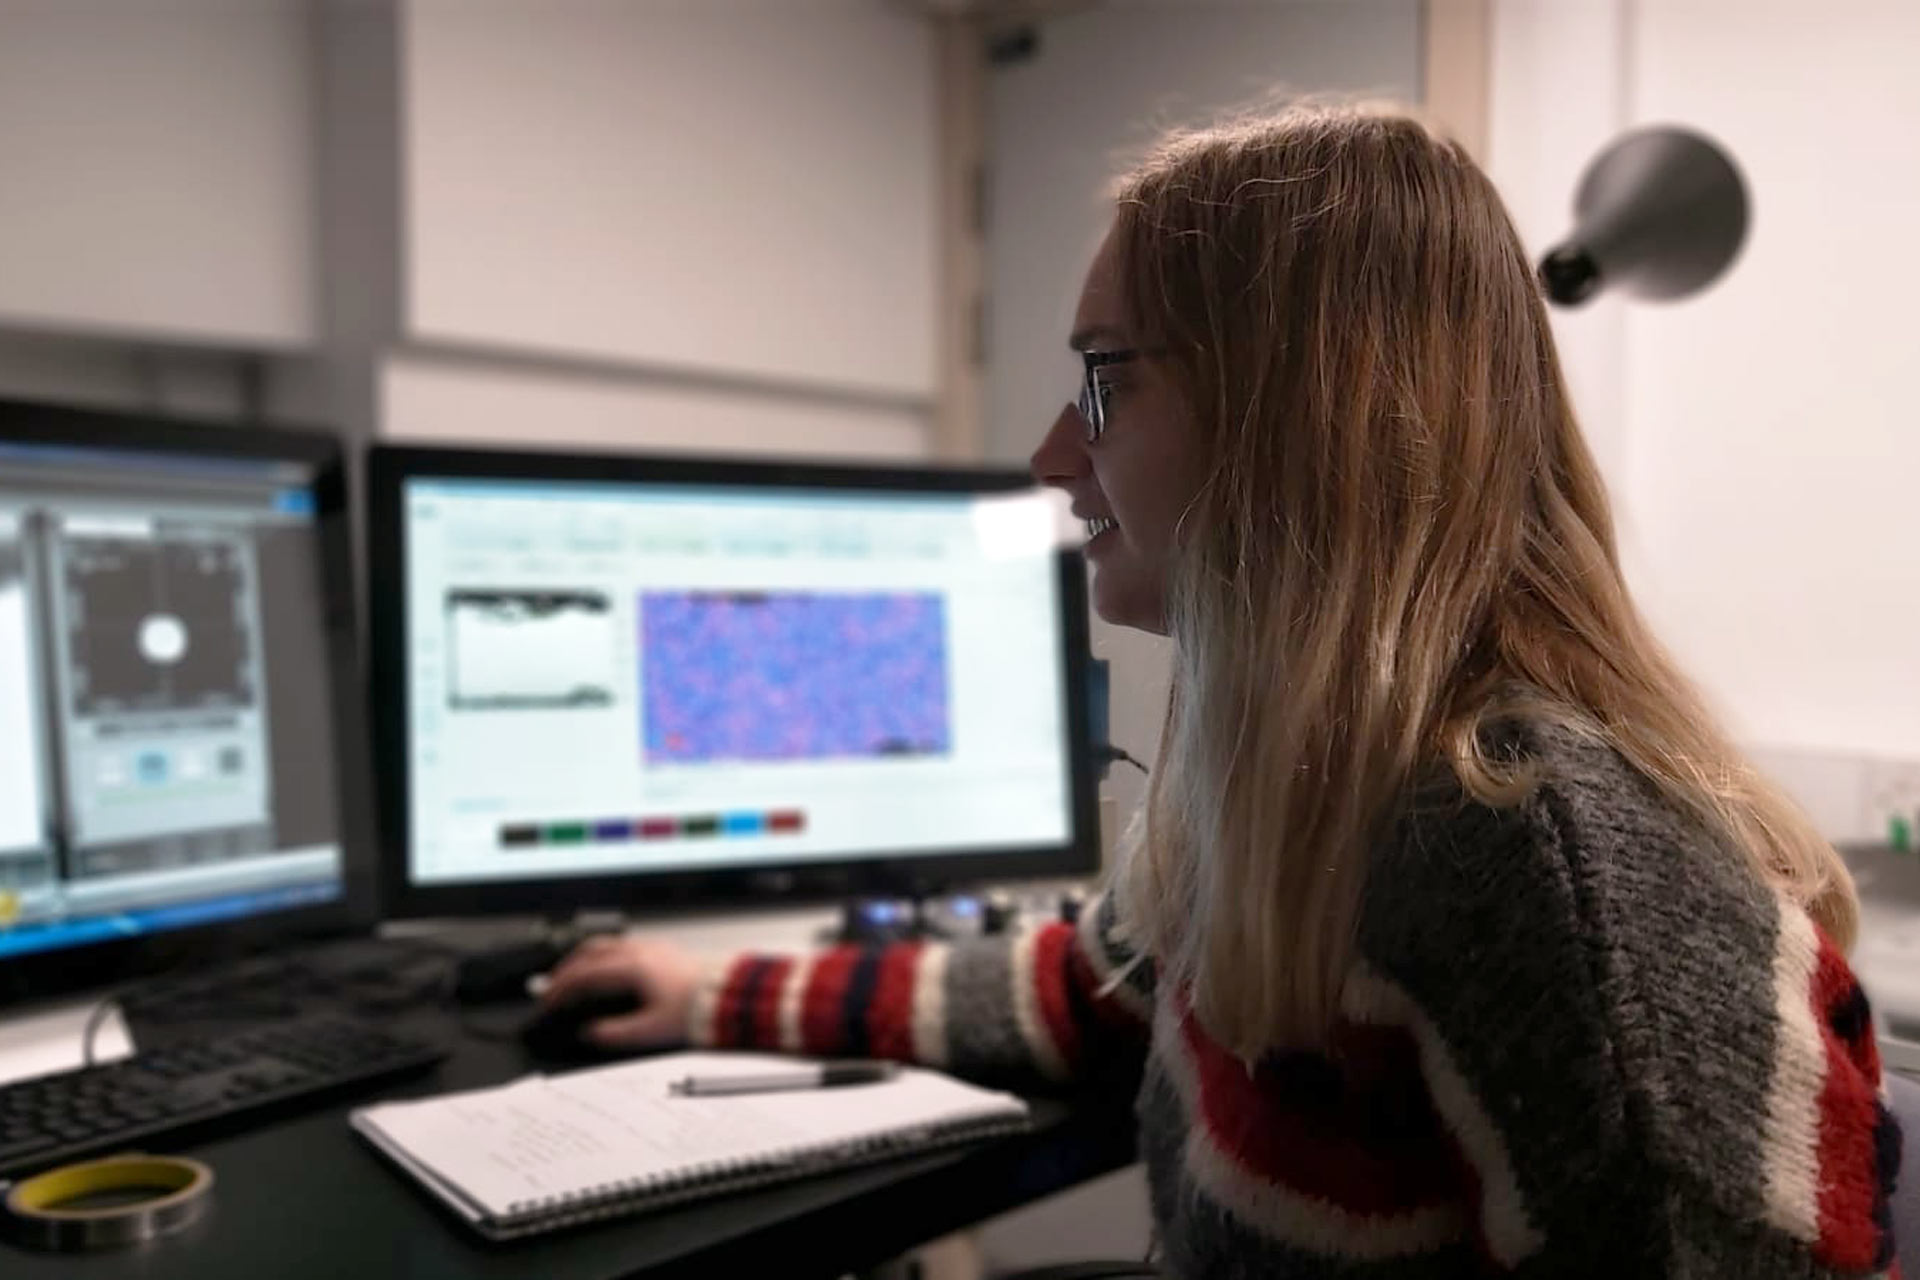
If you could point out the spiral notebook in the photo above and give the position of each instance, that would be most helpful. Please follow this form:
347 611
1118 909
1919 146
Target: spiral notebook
550 1151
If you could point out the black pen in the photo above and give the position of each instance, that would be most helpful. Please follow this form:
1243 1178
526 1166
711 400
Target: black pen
816 1075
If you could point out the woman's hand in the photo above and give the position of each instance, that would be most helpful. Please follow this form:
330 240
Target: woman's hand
664 977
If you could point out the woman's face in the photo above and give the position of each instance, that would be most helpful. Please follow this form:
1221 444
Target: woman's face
1134 482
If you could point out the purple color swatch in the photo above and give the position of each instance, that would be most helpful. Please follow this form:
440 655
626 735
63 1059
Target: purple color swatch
792 675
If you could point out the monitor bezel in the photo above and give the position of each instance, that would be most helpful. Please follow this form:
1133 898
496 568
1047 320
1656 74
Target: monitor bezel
39 975
654 893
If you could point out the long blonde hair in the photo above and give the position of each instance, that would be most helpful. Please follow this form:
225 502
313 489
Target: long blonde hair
1402 537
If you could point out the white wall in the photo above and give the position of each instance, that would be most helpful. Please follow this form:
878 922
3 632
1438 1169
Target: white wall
355 58
1774 439
1101 84
1557 96
744 187
429 399
1758 438
156 174
660 222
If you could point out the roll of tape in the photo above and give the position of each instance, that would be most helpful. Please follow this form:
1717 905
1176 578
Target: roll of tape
151 1196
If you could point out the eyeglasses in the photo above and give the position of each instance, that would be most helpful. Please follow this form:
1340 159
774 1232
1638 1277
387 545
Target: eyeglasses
1095 391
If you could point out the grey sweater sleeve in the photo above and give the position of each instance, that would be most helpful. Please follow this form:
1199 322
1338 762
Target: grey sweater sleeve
1650 1063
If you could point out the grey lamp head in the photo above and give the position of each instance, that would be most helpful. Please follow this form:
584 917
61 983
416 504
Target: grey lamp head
1660 214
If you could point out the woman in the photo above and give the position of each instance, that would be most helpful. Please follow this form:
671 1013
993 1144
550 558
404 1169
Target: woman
1456 938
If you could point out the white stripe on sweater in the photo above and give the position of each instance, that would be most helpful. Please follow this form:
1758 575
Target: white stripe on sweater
929 1025
1369 997
792 993
712 980
1026 1009
1790 1142
1278 1211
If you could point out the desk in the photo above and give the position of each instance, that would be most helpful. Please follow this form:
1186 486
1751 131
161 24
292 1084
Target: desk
305 1199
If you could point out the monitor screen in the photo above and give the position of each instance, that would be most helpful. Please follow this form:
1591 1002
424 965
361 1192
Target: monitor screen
166 735
611 678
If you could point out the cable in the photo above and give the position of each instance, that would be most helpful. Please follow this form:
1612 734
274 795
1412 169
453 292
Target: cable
95 1017
1111 753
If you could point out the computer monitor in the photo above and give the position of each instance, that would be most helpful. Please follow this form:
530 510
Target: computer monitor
638 682
176 680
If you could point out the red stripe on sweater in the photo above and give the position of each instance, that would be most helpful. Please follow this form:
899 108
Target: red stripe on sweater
1849 1113
766 1003
1051 947
821 1018
1363 1136
890 1014
726 1010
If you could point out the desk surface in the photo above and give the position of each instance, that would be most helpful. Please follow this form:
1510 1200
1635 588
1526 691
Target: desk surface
306 1198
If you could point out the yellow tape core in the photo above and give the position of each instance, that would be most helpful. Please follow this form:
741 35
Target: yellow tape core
172 1179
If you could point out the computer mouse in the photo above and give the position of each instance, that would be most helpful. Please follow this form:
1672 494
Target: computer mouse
558 1032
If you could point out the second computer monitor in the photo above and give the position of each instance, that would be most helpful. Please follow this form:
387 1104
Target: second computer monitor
619 681
177 685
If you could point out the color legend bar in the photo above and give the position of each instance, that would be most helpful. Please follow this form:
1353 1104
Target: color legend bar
734 824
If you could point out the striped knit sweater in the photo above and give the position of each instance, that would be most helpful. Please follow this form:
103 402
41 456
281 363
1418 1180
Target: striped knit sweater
1579 1040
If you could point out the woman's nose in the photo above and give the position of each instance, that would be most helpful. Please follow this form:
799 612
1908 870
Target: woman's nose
1062 456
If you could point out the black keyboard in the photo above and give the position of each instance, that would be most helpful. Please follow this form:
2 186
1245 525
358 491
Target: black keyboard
196 1088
